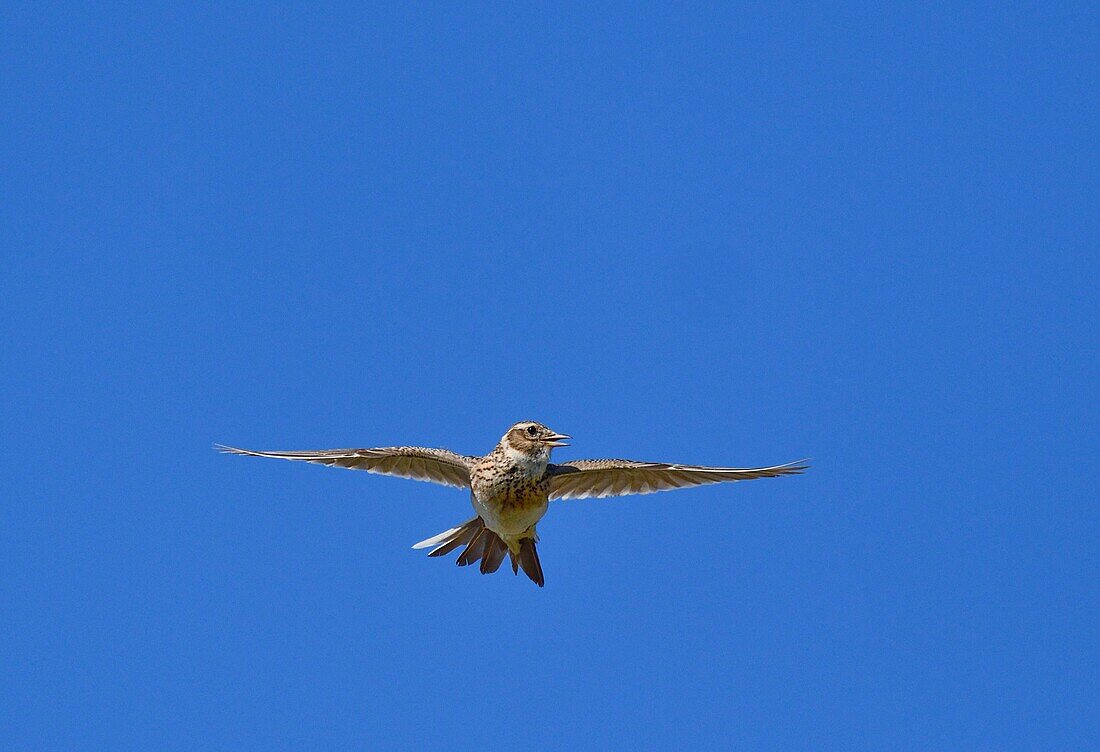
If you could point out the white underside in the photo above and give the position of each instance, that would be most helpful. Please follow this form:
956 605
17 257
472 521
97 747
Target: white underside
532 467
512 525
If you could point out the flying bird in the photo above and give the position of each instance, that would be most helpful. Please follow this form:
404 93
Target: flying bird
512 486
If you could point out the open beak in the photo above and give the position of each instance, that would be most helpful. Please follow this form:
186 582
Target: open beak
555 439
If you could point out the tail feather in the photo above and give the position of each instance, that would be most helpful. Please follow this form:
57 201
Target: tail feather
447 535
460 539
494 555
476 549
529 560
449 540
488 547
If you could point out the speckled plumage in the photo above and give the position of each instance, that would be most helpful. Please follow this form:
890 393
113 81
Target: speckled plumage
510 489
512 485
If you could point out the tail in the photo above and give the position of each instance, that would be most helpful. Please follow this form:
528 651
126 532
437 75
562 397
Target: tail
529 560
482 543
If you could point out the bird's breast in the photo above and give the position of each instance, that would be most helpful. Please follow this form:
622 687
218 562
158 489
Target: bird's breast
510 502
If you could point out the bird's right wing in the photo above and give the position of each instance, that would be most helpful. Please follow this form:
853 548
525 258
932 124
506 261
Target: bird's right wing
419 463
584 479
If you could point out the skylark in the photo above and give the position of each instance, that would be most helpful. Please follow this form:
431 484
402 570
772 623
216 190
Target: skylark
511 487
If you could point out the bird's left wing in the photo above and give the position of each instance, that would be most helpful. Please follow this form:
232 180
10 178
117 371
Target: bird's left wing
419 463
585 479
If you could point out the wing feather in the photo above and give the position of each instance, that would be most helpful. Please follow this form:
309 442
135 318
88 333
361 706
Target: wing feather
586 479
418 463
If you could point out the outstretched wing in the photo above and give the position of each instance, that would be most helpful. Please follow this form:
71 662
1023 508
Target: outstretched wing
434 465
587 479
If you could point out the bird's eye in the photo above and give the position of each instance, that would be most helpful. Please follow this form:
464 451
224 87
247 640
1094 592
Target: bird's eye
532 431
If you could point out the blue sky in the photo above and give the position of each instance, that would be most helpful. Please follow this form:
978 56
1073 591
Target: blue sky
727 235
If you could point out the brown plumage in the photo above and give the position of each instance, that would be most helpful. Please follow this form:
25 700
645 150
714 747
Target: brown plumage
511 487
475 549
494 554
461 537
529 560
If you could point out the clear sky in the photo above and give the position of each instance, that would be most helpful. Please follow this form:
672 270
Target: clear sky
728 235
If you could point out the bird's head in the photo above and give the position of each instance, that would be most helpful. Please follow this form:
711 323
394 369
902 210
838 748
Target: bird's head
532 438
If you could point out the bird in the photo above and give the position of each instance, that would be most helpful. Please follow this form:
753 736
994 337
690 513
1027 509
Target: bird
512 486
